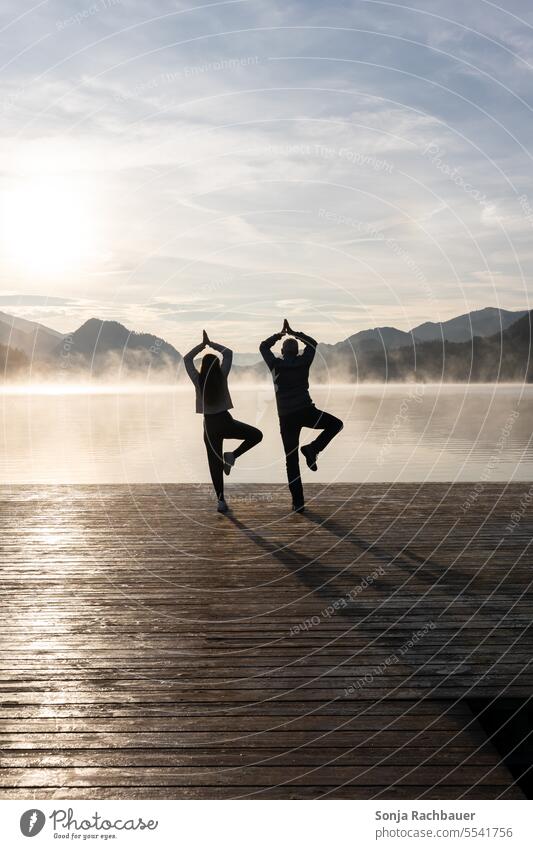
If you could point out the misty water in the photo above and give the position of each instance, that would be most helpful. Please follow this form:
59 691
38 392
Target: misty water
392 433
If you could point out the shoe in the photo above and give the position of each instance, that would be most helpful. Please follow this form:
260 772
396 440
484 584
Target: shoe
229 461
298 508
222 507
310 456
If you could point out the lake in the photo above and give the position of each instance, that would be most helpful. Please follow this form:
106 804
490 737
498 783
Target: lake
392 433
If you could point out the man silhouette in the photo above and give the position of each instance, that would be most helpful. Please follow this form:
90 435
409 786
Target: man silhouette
296 410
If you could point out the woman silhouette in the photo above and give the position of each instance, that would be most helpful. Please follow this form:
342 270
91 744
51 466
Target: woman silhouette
214 402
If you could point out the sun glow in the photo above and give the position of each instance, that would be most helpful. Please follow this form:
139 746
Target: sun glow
48 225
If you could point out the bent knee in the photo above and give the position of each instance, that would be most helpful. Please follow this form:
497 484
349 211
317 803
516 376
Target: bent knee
338 425
258 435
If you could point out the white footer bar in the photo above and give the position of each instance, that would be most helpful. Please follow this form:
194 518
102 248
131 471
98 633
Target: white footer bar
266 824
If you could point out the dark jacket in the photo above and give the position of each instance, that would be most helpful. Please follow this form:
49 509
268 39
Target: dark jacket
290 374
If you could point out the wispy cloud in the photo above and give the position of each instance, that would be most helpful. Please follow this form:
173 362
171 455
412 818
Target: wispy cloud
248 158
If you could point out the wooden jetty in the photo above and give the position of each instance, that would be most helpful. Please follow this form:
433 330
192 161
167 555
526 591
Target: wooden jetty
152 648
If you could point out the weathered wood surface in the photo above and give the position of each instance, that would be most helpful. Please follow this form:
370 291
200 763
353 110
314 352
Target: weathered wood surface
154 649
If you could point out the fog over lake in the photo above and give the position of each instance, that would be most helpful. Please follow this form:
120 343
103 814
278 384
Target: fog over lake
403 432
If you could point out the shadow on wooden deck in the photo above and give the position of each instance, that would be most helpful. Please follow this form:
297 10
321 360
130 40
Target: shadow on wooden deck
153 649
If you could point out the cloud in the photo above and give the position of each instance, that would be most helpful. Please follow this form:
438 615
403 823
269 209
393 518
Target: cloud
21 300
214 139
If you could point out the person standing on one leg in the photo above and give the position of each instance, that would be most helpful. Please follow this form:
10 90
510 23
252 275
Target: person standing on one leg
290 374
214 401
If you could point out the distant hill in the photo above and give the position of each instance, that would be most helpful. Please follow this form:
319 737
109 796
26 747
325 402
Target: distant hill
34 339
375 339
502 357
13 363
370 354
108 346
485 322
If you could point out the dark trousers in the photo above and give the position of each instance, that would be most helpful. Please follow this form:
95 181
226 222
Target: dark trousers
291 426
217 428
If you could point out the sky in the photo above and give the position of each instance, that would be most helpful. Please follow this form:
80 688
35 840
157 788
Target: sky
180 165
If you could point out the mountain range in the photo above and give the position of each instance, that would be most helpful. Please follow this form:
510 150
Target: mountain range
505 356
487 344
105 345
484 322
465 348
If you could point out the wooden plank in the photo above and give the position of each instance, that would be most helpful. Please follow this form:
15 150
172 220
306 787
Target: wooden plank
238 776
285 791
152 649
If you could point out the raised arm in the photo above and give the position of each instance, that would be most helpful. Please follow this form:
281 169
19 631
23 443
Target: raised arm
265 349
310 344
188 362
227 356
